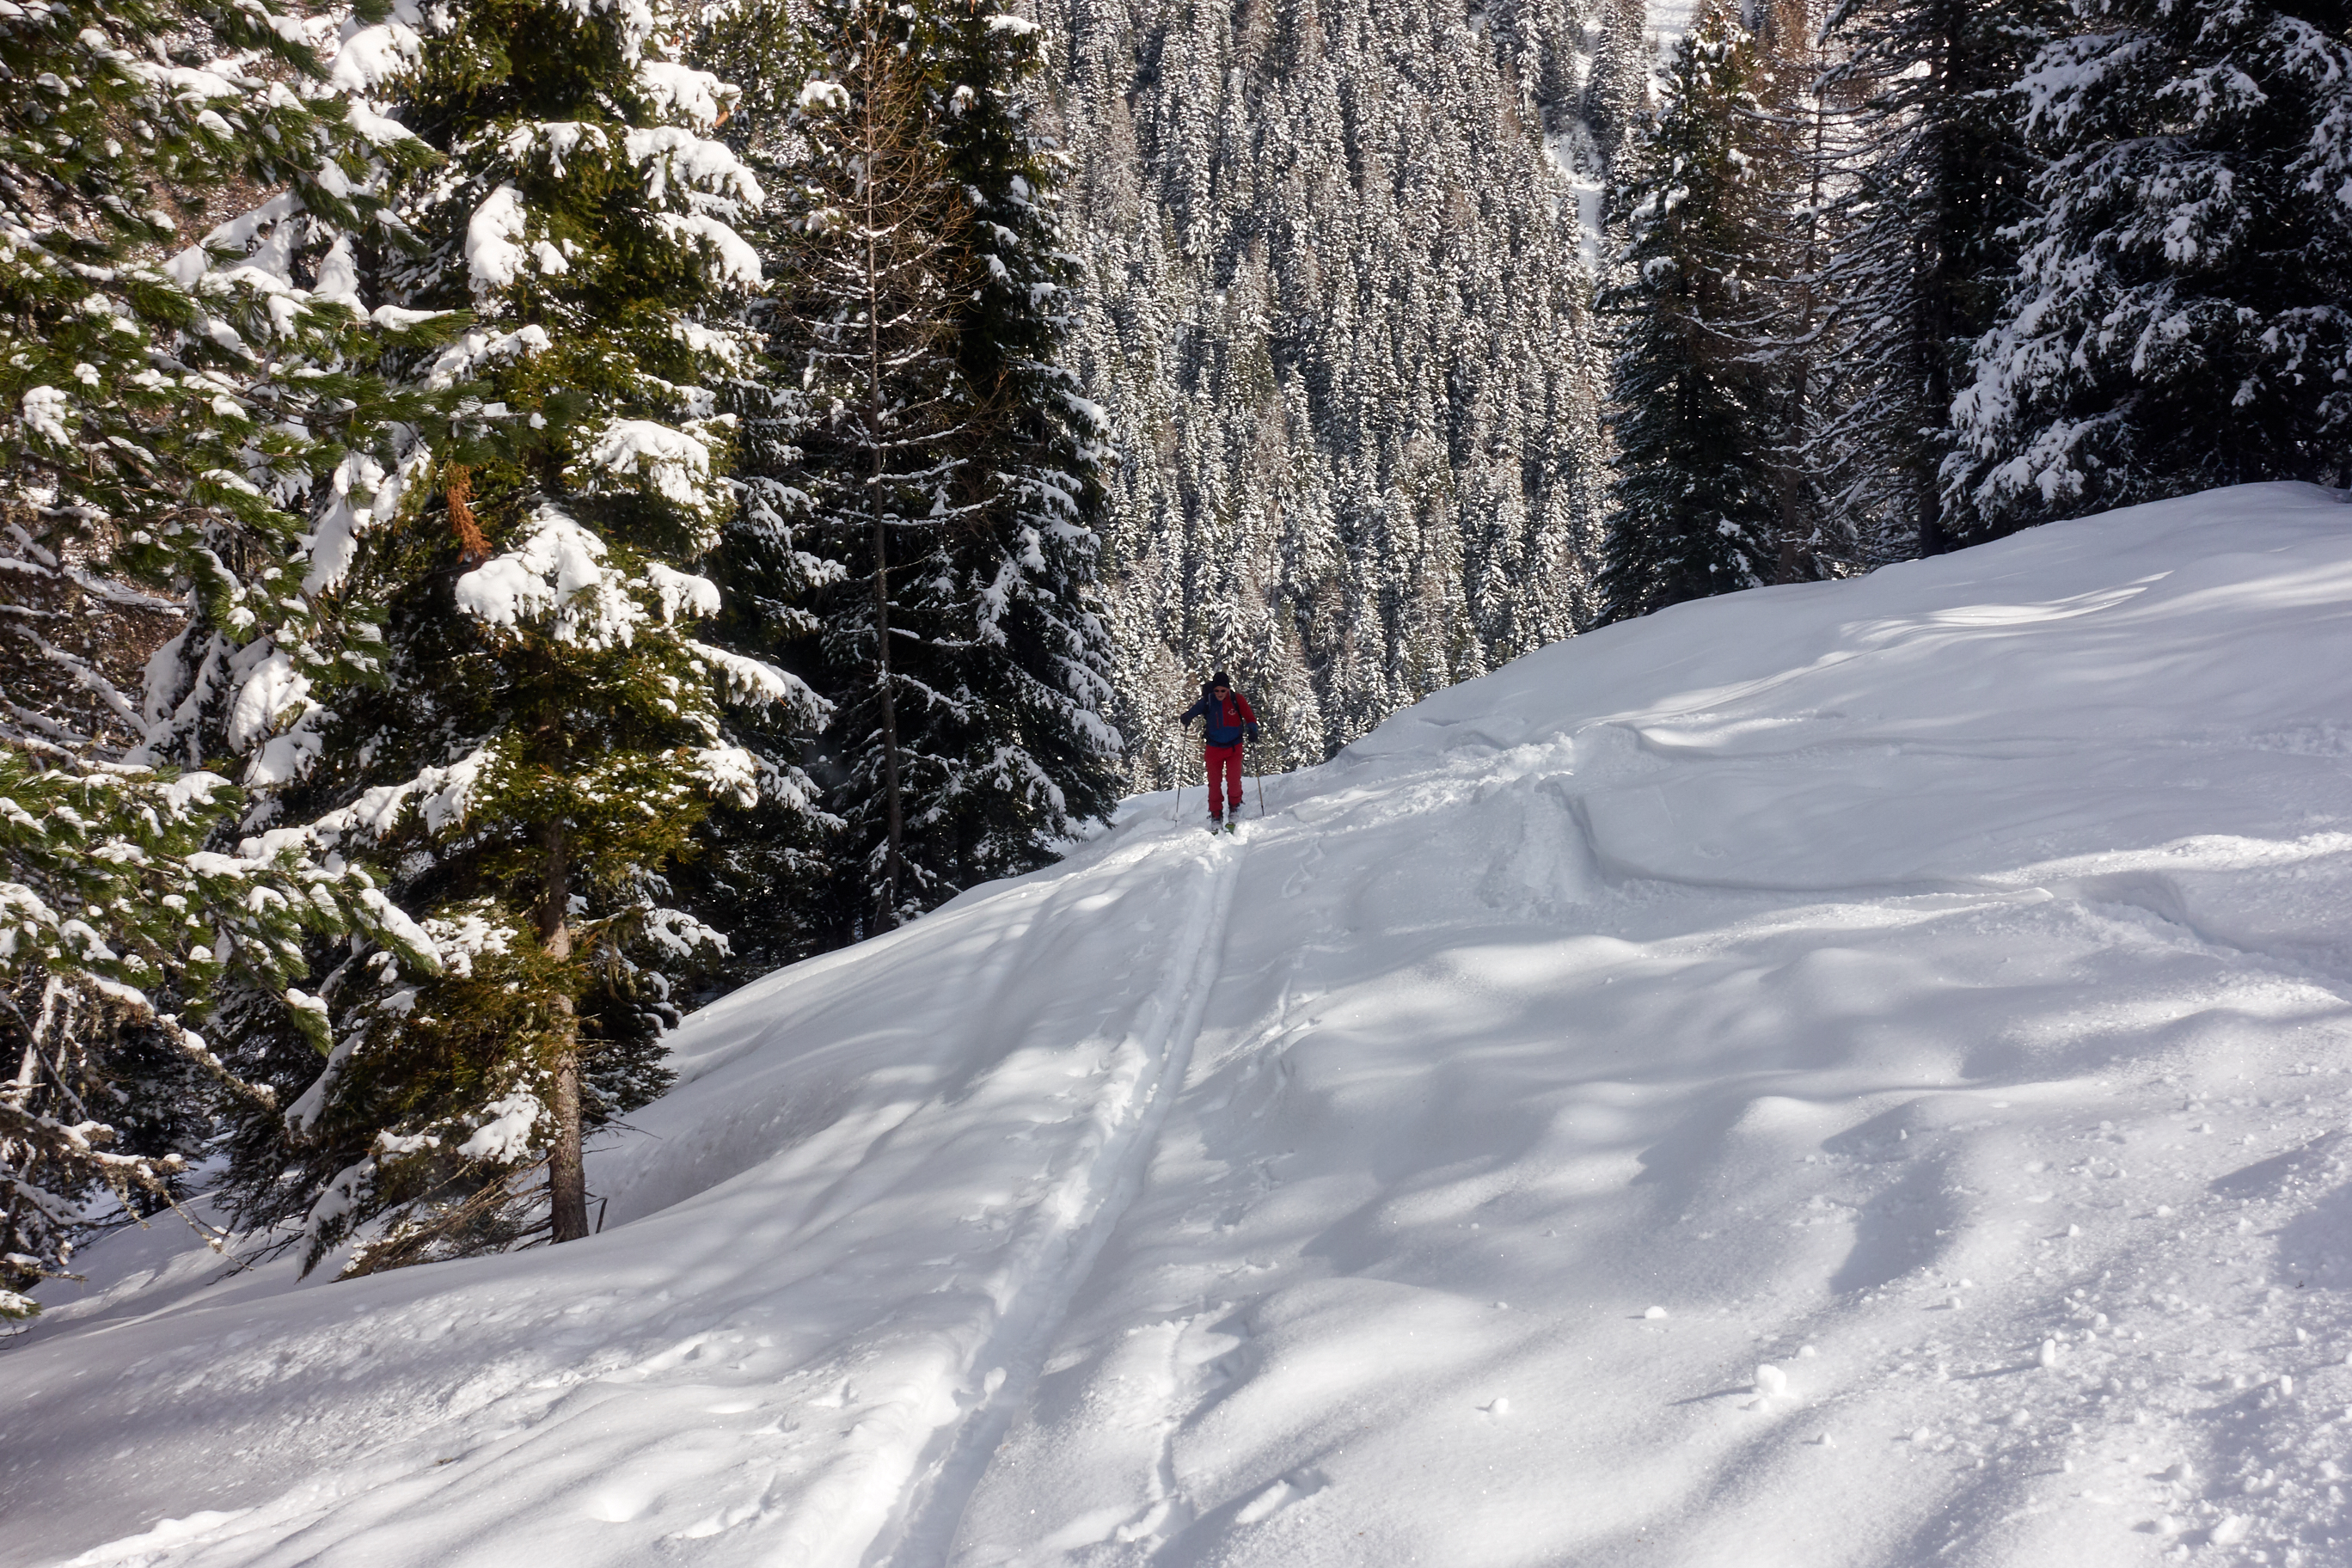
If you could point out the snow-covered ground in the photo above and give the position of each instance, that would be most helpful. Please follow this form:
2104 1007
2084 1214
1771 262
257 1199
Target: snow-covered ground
1843 1074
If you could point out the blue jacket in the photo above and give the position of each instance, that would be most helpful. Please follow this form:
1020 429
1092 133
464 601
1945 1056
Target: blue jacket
1228 728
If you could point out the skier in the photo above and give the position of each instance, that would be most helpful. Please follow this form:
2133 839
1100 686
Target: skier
1229 724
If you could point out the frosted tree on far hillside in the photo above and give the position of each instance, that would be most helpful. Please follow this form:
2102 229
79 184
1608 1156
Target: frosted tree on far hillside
1333 306
1617 92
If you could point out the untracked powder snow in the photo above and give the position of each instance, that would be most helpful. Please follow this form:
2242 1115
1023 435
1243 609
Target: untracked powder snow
1842 1075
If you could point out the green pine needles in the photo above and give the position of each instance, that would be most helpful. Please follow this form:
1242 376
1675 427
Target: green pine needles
184 443
553 726
118 930
2178 319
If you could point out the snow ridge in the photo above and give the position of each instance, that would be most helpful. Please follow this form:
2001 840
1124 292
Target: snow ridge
1840 1077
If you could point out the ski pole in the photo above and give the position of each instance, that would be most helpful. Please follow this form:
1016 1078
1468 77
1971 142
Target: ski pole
1178 815
1257 761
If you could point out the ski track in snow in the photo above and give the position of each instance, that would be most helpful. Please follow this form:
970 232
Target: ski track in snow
1076 1229
1848 1077
935 1398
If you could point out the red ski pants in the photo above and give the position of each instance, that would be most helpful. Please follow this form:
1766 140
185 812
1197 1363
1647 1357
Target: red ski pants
1224 765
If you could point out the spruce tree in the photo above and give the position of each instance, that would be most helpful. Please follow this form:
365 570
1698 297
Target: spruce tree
551 726
2179 317
924 461
1786 154
762 871
1035 758
175 427
1693 506
119 929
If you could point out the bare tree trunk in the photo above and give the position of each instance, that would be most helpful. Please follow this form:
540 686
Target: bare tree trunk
1790 36
892 807
1932 284
567 1176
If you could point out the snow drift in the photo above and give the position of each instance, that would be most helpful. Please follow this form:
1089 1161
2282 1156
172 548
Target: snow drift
1842 1075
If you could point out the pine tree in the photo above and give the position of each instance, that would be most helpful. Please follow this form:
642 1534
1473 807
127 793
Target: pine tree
199 435
2179 318
760 871
192 440
109 1080
1935 167
877 280
550 728
1693 407
1035 758
944 465
870 322
1786 152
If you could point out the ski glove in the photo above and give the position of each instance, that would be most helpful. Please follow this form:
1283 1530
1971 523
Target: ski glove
1251 731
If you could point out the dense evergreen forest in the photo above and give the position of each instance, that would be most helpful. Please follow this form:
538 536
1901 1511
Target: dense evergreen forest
1338 310
516 516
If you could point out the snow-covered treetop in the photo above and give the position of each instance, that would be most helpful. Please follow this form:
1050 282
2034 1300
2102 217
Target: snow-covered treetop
174 415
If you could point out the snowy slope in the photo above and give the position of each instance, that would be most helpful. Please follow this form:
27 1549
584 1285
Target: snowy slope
1845 1075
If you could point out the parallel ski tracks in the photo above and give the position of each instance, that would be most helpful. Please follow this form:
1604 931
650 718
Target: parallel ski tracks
1007 1369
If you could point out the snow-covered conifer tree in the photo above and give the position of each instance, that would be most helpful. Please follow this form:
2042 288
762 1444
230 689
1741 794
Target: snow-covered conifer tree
551 726
761 872
189 440
1694 506
108 1075
881 271
2183 313
1786 154
154 432
932 457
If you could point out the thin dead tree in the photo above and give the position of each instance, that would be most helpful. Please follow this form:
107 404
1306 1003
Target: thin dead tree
871 321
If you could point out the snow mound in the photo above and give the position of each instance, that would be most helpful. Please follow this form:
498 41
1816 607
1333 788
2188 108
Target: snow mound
1841 1075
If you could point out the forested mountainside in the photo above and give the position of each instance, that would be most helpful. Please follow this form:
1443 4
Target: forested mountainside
1335 315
